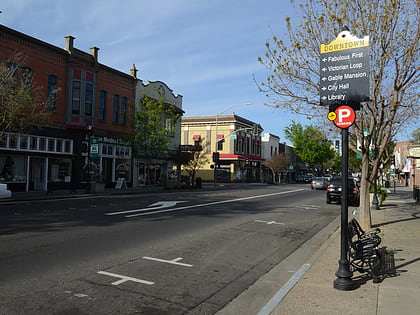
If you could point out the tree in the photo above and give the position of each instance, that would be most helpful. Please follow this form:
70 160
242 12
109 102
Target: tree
277 163
394 30
415 136
197 161
22 102
311 145
153 122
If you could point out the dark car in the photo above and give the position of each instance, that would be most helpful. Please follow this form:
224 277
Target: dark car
334 191
304 179
319 183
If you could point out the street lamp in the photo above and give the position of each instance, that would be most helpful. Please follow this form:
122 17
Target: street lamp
216 153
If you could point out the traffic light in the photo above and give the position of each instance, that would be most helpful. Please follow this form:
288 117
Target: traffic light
393 160
337 144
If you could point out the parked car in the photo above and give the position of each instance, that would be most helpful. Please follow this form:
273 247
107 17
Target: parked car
304 179
4 192
334 191
319 183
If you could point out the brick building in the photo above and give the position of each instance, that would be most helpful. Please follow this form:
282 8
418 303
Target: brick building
92 101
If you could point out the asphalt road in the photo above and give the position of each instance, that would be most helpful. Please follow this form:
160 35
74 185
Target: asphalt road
162 253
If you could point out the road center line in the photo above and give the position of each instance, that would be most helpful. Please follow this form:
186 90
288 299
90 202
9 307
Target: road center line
213 203
173 261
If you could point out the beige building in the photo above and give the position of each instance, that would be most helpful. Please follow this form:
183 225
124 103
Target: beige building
237 142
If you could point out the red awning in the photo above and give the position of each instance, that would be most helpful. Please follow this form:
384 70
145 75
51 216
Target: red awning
196 137
219 137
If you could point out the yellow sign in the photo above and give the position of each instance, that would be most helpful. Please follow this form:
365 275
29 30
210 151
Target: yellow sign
332 116
345 41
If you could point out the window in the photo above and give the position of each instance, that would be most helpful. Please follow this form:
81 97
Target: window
88 99
123 111
52 92
102 105
170 127
75 109
116 111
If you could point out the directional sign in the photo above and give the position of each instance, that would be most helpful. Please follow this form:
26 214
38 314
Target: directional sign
345 116
344 70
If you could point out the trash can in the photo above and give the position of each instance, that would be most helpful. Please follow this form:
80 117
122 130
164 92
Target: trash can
387 185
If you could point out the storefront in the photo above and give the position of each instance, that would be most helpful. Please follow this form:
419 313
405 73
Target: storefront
31 162
112 162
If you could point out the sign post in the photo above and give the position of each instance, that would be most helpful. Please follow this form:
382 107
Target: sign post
344 84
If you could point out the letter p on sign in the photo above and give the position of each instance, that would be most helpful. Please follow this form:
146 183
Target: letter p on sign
345 116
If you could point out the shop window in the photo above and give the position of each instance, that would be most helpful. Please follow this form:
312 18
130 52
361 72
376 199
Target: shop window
23 142
51 145
67 146
59 147
13 139
42 144
33 143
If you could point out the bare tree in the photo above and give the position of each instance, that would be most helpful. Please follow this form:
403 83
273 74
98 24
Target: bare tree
293 64
22 101
277 163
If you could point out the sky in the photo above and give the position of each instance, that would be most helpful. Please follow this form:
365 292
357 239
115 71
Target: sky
206 51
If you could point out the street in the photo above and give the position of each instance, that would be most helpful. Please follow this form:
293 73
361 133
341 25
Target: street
159 253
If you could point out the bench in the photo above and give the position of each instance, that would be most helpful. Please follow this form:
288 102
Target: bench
364 254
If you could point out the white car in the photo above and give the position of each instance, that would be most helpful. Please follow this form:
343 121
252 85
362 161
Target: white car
4 192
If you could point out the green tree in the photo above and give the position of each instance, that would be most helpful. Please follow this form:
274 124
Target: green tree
23 103
153 123
293 64
311 145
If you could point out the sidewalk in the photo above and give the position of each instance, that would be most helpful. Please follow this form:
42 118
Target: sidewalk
399 221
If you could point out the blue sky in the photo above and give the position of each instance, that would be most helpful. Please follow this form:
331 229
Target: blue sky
204 50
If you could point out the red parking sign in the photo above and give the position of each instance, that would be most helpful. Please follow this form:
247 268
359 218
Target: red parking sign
345 117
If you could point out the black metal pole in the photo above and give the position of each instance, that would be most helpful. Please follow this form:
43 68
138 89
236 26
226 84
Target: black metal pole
343 281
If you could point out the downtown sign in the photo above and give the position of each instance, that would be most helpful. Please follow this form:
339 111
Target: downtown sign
344 71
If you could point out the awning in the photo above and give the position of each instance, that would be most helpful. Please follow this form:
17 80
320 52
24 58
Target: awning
196 137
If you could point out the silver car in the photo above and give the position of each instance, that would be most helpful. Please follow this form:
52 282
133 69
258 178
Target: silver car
319 183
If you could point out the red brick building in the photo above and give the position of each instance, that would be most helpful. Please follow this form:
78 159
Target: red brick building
92 101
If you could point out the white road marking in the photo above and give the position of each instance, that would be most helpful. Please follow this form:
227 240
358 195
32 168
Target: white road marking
213 203
308 207
173 261
269 222
124 278
154 206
